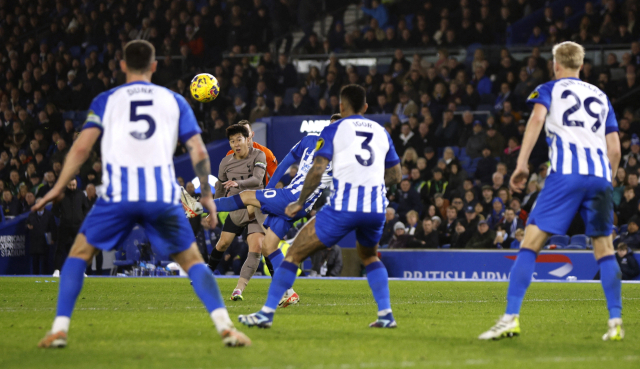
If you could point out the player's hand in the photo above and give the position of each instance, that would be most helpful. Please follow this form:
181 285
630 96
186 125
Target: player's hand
207 203
519 179
54 195
293 209
230 184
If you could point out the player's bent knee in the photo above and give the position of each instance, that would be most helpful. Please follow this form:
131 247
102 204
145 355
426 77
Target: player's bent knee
82 249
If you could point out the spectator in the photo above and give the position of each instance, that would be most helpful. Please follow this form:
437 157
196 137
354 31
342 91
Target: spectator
447 131
427 237
405 139
412 223
379 12
260 110
511 223
495 141
628 206
515 244
390 221
521 214
483 238
631 237
533 190
627 261
437 185
481 82
460 236
400 239
486 167
447 228
497 213
71 210
408 199
327 262
42 230
285 74
470 221
10 205
477 141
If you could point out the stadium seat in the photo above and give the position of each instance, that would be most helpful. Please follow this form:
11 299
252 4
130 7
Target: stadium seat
75 51
456 151
314 93
68 115
462 154
463 108
446 246
561 241
575 247
288 95
485 107
90 49
130 247
580 240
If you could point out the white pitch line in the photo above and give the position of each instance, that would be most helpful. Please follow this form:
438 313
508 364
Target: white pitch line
11 309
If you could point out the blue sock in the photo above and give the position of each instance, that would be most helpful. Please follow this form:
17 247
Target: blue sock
276 258
282 281
229 203
204 283
520 279
379 282
71 280
610 277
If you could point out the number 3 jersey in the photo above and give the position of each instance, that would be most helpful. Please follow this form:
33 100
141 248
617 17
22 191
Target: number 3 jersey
141 124
578 119
361 150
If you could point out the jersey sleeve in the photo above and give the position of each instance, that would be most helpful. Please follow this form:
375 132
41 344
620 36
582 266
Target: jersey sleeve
96 111
392 159
541 95
324 145
611 124
187 125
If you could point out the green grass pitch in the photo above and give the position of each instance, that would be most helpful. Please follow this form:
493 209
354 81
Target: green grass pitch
160 323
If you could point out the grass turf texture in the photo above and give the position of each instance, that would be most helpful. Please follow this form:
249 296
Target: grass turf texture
159 322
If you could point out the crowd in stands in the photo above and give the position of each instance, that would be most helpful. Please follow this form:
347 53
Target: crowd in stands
456 165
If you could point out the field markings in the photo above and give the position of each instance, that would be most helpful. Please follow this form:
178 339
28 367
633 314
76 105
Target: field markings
14 309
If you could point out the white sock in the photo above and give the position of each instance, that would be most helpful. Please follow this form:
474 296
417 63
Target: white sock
290 292
61 323
384 312
267 309
221 319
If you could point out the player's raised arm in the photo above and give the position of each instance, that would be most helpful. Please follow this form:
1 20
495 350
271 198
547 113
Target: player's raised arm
202 167
534 126
78 154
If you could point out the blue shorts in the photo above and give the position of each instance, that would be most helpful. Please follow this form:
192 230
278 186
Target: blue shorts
332 226
565 195
108 224
274 202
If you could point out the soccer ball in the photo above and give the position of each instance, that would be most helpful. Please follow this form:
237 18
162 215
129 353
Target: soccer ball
204 87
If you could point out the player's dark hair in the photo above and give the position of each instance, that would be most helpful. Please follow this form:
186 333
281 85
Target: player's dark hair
335 117
138 55
355 96
237 128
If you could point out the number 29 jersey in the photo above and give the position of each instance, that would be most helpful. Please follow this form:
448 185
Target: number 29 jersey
578 119
361 150
141 124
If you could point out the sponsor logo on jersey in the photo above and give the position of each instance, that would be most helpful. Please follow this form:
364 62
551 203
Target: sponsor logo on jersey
93 118
319 144
534 95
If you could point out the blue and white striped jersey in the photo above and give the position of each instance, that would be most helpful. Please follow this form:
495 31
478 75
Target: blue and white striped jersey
360 150
578 119
304 152
141 124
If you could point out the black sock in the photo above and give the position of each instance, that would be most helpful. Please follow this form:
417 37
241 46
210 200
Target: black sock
269 266
215 258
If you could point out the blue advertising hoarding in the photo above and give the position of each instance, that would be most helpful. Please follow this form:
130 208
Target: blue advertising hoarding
490 264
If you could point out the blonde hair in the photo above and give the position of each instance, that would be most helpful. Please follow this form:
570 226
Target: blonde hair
568 54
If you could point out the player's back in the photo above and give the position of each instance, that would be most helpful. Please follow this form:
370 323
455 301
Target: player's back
578 120
361 151
141 124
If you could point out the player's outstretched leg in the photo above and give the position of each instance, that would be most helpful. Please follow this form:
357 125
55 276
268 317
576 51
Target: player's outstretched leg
306 243
611 285
236 202
521 273
378 279
71 280
205 286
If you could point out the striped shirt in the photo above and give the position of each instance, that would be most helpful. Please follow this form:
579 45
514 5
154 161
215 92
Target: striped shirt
141 124
305 151
579 118
361 151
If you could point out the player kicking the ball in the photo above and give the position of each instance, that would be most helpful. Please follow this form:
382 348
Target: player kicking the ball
364 162
138 125
584 151
273 202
